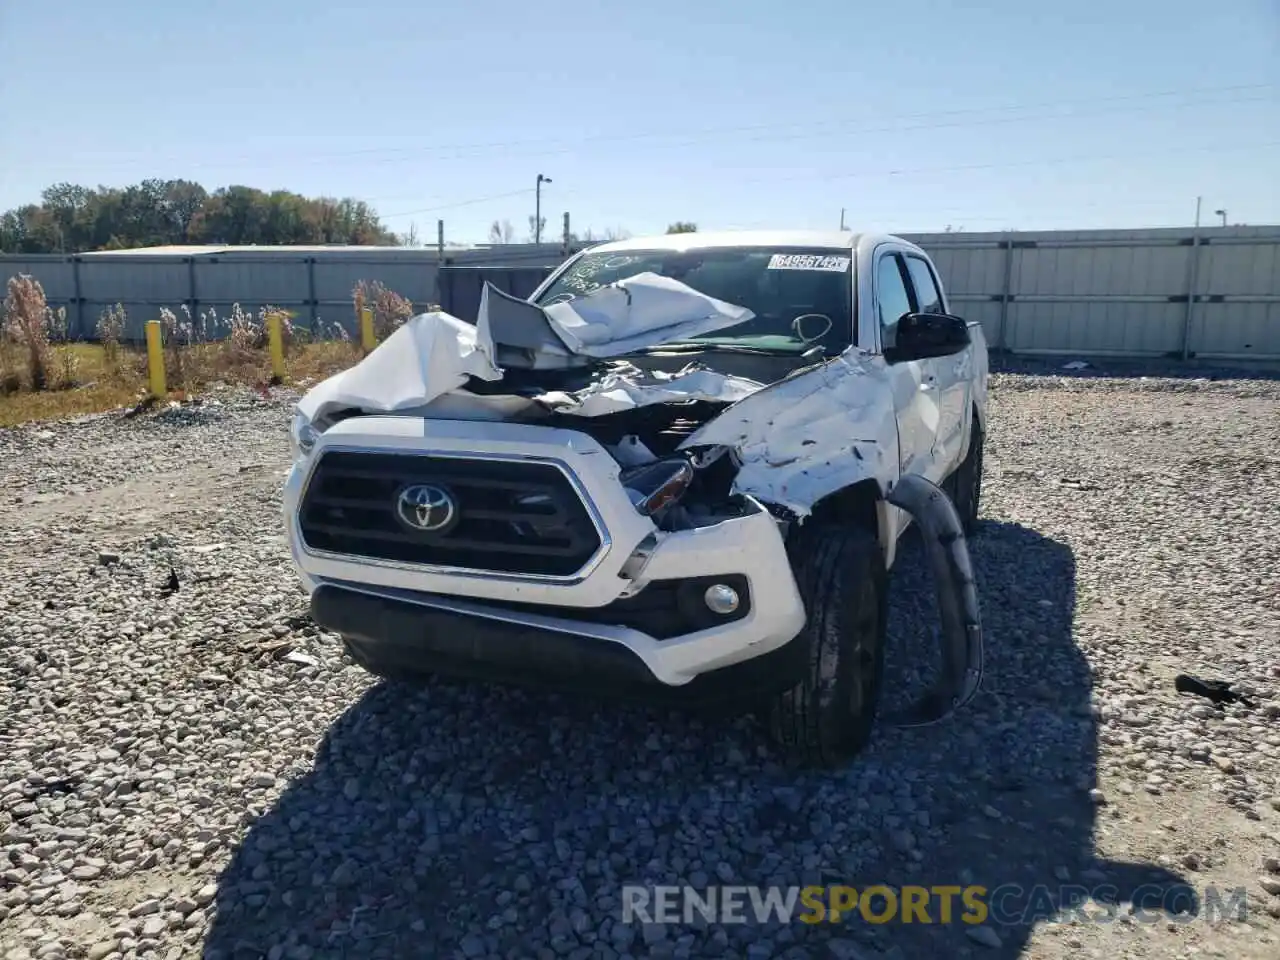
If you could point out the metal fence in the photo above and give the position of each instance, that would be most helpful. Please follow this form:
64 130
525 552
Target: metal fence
1209 293
1212 293
314 284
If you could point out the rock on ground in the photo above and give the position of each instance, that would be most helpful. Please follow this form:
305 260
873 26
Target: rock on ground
173 784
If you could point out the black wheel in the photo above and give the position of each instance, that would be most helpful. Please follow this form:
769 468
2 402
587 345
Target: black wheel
966 482
827 717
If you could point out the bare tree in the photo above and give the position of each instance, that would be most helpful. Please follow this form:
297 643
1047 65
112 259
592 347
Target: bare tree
590 235
536 229
501 232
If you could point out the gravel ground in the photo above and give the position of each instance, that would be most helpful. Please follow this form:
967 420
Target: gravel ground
200 772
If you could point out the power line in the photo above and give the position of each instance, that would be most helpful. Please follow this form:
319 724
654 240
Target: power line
856 129
812 129
900 129
861 131
909 171
460 203
866 130
718 131
1045 161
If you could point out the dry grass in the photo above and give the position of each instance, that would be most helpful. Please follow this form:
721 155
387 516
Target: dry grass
390 310
44 375
108 384
28 323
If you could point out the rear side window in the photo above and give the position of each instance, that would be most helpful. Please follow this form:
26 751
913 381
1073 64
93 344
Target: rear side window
927 295
892 298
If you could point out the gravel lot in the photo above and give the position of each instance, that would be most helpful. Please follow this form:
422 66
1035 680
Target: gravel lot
201 773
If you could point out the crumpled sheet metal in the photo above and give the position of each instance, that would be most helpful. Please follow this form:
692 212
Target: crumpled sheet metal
811 434
637 312
434 354
798 440
616 392
429 356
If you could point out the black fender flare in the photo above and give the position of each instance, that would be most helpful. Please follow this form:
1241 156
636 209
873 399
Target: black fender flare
957 596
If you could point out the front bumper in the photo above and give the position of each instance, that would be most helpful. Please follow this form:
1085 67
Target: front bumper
633 554
409 637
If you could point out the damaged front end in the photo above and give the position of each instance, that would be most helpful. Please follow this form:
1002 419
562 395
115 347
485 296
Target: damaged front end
691 478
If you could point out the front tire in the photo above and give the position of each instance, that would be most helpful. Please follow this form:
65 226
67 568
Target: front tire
827 718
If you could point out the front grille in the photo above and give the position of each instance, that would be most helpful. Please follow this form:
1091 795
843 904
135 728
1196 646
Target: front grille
513 516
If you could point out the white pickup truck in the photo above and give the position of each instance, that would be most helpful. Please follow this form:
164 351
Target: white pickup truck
680 469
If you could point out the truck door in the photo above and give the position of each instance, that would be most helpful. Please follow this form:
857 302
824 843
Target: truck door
950 375
915 396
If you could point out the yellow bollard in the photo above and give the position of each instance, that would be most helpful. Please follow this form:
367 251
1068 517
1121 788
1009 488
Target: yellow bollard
275 340
155 359
367 339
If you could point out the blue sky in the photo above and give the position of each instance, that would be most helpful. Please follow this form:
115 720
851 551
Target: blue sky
912 116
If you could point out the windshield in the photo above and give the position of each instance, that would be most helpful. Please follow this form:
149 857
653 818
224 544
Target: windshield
800 296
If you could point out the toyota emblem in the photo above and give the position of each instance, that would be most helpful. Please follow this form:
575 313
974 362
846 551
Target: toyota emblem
427 508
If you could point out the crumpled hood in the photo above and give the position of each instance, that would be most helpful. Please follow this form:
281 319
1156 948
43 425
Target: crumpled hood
818 430
424 366
430 355
638 312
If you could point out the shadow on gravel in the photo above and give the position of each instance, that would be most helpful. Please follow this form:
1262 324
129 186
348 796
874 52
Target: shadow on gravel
1023 822
472 821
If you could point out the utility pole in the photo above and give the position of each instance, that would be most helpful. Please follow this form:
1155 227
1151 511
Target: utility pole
565 251
842 218
439 242
537 209
1193 271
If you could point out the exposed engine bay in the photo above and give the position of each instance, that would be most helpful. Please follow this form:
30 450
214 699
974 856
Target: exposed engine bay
786 430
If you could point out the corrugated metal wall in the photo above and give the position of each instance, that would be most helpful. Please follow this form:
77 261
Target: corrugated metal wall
1212 293
315 285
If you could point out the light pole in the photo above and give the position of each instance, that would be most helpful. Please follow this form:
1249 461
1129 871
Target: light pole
537 208
1223 215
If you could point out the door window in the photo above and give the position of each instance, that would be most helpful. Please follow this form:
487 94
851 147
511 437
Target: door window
926 289
892 298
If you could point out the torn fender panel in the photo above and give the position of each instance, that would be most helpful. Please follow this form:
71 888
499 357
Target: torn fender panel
429 356
811 434
637 312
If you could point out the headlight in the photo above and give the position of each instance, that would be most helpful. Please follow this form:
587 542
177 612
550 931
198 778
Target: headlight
653 486
302 436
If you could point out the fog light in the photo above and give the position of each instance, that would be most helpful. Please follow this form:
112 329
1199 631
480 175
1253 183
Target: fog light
721 598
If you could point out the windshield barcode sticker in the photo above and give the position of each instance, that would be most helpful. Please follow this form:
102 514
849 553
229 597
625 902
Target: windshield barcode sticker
808 261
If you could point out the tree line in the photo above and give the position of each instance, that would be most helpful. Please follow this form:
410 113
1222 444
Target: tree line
71 218
501 231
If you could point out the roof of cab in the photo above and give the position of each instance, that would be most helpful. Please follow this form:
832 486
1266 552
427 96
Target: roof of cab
818 239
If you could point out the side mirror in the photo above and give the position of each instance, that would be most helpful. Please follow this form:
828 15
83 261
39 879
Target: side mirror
923 335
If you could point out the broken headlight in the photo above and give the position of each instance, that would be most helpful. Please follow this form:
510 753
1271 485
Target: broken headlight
654 486
302 436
